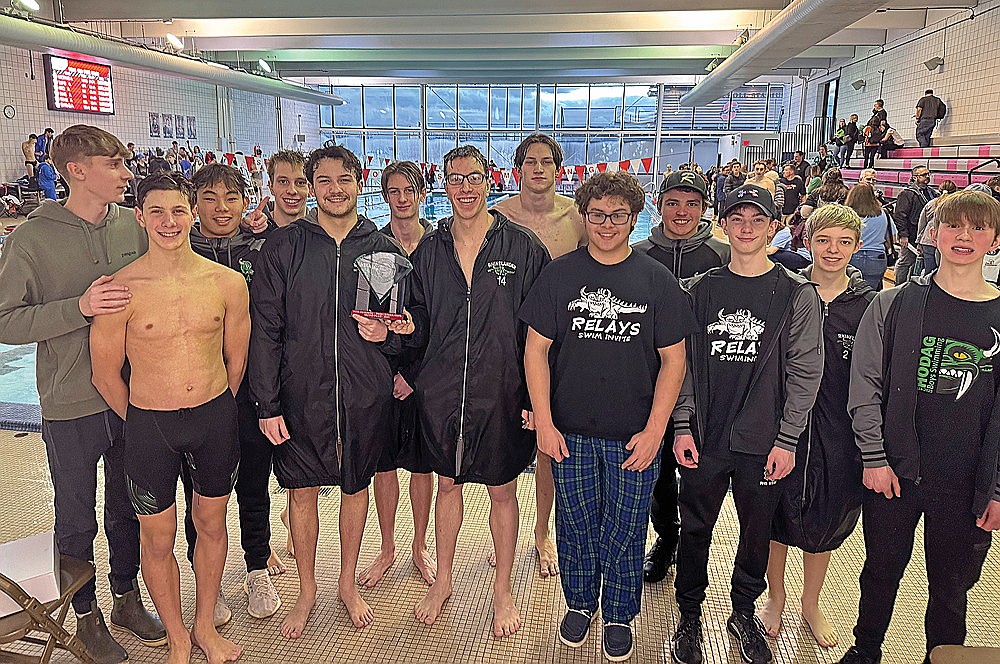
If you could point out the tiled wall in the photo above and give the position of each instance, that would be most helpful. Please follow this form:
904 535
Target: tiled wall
968 81
138 93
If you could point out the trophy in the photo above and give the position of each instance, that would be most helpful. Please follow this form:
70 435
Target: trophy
383 275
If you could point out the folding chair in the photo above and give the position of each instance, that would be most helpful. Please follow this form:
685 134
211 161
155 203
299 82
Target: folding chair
965 655
47 618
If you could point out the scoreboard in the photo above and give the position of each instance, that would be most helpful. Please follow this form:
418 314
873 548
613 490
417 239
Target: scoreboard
78 85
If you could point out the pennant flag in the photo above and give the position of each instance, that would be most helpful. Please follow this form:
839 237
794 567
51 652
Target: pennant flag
229 157
369 160
624 165
249 161
647 163
386 161
506 178
559 173
376 174
580 170
365 172
612 167
635 164
517 177
495 174
591 169
602 167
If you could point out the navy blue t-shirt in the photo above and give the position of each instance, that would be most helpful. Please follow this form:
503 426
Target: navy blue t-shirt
606 323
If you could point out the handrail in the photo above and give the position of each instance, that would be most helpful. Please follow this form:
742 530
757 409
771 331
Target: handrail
995 160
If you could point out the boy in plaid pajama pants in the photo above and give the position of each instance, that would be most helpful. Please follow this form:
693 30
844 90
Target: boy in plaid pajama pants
591 313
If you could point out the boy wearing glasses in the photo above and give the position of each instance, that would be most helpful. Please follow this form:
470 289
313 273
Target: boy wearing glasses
470 277
755 365
591 312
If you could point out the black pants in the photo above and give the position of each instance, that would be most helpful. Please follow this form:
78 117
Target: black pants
663 511
73 448
252 491
849 153
954 552
870 152
703 490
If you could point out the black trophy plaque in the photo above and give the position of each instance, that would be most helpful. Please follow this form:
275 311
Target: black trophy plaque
381 285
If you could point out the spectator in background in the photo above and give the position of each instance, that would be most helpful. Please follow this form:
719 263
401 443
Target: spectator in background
43 144
878 114
760 177
720 187
185 165
839 139
735 180
891 140
824 159
873 141
850 139
994 184
800 164
28 148
815 179
926 244
174 150
793 189
833 190
871 257
930 109
47 178
906 215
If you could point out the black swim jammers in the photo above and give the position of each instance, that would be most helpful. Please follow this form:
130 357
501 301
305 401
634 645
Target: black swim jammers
157 442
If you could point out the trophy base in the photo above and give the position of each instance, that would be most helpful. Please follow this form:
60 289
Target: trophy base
379 315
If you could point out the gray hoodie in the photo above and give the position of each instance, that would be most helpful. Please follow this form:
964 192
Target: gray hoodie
47 263
688 257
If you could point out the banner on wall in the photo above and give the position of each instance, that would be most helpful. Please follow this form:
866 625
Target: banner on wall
179 128
192 127
154 125
167 125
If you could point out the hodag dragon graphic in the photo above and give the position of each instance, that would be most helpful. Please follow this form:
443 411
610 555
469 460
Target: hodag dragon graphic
602 304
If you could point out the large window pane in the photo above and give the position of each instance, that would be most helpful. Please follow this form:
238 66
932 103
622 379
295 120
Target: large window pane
505 107
502 148
438 143
706 152
776 106
748 108
604 148
637 147
476 138
378 144
348 114
674 115
546 106
408 146
529 118
713 116
441 101
326 116
574 147
378 106
571 106
473 107
408 106
606 107
640 107
674 152
352 141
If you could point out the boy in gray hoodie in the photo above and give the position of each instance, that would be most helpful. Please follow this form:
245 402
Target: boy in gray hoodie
54 278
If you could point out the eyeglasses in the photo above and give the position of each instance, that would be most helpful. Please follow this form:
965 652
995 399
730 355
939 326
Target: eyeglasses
456 179
617 218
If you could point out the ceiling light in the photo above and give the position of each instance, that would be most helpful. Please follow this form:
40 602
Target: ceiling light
175 41
263 65
858 84
30 5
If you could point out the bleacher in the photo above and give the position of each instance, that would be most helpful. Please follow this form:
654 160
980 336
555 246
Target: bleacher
945 163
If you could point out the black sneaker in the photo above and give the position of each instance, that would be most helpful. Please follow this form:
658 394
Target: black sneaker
659 559
617 642
687 641
856 656
749 634
575 627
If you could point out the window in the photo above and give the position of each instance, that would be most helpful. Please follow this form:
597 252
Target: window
571 106
476 138
674 152
441 104
352 140
574 147
546 106
529 116
603 148
776 106
606 107
378 106
348 114
502 147
637 147
676 116
473 107
438 143
505 107
713 116
748 108
408 106
706 152
408 146
640 107
326 116
378 144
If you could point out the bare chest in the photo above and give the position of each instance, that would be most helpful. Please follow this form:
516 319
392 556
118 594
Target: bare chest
176 312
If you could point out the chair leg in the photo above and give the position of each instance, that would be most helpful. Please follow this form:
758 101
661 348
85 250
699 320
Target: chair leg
44 620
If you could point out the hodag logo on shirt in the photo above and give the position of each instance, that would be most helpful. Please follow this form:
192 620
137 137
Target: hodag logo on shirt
744 332
502 269
603 311
948 366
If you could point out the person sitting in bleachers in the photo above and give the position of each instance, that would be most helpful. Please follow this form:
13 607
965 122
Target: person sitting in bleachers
891 140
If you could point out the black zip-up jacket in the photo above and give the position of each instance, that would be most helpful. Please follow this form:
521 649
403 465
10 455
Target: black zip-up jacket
309 363
688 257
241 253
470 387
883 396
786 375
906 212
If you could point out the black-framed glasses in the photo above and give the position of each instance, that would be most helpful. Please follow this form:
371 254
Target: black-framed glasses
617 218
475 178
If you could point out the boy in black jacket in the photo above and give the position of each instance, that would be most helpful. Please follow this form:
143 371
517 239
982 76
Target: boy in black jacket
923 399
754 370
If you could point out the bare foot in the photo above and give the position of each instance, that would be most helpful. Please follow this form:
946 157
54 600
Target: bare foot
274 564
491 557
216 648
548 559
425 564
506 618
770 614
295 622
371 575
361 614
821 629
180 653
289 547
429 608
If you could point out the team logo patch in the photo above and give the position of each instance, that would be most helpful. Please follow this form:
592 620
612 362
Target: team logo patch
948 366
603 320
743 332
246 269
502 270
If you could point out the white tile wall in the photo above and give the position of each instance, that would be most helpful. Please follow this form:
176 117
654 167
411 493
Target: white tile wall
968 81
137 93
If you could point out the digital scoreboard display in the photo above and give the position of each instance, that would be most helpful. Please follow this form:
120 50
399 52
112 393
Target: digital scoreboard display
79 86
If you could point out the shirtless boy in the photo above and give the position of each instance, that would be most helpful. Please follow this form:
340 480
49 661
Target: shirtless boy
185 333
557 223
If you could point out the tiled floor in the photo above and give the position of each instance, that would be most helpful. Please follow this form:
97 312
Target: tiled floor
463 632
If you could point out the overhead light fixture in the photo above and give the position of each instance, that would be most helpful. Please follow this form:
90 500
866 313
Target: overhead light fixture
859 84
175 41
263 65
934 63
30 5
